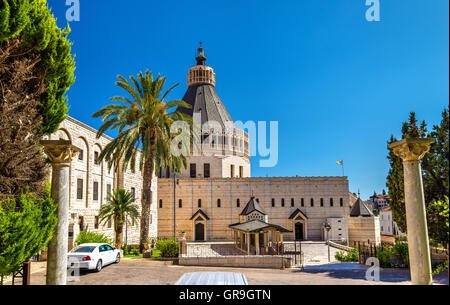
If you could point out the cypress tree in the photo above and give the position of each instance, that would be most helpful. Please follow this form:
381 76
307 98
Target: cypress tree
36 70
435 166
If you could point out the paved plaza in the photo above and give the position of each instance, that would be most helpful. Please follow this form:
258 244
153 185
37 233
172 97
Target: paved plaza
150 272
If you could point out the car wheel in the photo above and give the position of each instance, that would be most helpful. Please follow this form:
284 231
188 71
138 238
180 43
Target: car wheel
117 258
99 266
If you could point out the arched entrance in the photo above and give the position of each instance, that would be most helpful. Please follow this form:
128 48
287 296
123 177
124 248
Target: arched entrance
199 231
299 229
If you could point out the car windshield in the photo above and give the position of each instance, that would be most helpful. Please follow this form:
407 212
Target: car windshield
83 249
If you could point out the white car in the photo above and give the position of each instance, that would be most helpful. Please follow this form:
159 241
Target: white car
212 278
92 256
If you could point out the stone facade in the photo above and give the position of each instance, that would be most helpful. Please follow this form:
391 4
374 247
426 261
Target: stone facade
222 200
90 182
364 230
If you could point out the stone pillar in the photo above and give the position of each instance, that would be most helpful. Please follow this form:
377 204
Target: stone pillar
411 151
60 154
248 243
257 243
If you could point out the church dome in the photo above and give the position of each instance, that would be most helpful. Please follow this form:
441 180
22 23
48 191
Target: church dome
202 96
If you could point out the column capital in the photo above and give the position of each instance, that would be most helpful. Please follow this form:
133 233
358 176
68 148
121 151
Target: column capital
60 151
412 149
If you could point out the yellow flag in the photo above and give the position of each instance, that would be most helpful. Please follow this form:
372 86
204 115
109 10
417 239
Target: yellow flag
340 163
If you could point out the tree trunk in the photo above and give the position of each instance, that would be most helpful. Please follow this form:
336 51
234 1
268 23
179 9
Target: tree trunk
119 233
146 202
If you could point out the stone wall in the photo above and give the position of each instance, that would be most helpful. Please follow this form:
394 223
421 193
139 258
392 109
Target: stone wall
87 208
271 262
364 229
209 191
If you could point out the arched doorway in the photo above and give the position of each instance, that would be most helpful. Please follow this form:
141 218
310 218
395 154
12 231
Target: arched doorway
199 231
299 231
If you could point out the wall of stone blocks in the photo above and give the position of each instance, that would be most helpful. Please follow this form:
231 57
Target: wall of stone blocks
270 262
364 229
229 190
84 137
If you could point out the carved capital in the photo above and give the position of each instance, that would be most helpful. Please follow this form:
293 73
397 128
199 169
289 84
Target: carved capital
412 149
60 151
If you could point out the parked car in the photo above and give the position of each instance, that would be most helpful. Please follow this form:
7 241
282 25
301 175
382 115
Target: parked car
212 278
92 256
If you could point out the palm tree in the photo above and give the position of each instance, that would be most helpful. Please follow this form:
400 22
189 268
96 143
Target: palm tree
119 204
143 121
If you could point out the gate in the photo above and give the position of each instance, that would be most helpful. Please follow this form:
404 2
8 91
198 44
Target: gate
295 254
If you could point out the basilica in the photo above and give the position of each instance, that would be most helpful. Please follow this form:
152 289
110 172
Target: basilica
215 198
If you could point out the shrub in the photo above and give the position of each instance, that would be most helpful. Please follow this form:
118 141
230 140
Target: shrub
168 247
384 257
400 249
92 237
351 256
26 226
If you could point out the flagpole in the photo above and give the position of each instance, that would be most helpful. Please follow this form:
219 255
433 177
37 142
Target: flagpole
343 175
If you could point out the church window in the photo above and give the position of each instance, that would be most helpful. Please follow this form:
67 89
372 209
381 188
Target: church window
292 202
282 202
199 203
238 203
331 202
321 202
79 189
303 202
273 203
218 203
95 191
206 170
96 158
180 203
312 202
341 202
193 168
160 203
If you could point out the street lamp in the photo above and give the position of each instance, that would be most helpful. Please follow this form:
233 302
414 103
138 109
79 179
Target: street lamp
327 228
175 182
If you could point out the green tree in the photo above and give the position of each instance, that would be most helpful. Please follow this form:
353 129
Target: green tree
26 226
143 121
120 204
434 170
37 69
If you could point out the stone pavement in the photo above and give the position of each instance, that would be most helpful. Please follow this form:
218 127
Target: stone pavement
315 253
150 272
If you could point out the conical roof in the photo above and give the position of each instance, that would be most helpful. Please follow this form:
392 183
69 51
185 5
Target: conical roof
205 101
252 205
202 96
360 209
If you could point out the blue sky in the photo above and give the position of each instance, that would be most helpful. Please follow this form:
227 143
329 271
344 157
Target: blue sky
338 85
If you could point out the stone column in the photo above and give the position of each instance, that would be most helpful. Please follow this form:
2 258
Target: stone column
60 154
257 243
248 243
411 151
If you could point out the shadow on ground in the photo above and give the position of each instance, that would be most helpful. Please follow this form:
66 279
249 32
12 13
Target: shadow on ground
358 272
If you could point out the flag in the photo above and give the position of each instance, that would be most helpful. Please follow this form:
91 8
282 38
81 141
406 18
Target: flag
340 162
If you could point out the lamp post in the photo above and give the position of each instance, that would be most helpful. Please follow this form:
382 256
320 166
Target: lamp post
327 228
175 182
411 151
126 229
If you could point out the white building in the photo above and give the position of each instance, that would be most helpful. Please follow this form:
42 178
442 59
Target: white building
387 225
